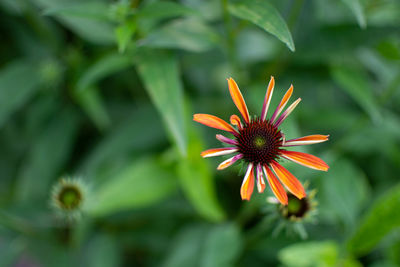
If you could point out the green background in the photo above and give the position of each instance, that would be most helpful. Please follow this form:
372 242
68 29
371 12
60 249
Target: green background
106 91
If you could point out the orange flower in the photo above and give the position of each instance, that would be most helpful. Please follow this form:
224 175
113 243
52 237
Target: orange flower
260 143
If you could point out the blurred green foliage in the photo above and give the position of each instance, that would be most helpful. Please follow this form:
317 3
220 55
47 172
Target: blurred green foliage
105 90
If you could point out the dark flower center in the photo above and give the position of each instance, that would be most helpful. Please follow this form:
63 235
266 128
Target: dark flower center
297 208
70 197
259 141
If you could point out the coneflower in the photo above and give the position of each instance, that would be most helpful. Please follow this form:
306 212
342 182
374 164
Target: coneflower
260 143
68 198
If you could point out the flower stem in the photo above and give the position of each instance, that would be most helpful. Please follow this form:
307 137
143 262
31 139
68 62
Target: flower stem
231 35
282 59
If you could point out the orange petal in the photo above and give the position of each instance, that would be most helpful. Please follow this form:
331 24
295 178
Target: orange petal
276 186
214 122
229 162
248 183
235 120
305 159
238 99
283 103
260 179
213 152
307 140
291 182
268 97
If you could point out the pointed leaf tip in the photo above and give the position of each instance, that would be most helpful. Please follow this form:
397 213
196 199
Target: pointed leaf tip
266 16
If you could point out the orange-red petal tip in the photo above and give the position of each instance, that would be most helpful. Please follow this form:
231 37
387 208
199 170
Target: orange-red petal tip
214 122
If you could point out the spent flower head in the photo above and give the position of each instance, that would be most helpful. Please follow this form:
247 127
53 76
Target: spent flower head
69 197
292 217
260 143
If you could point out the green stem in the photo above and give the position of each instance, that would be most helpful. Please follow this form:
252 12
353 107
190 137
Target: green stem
259 232
231 35
282 58
294 13
390 90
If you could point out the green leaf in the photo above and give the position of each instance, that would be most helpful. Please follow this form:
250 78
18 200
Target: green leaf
87 9
380 220
92 102
186 248
46 157
310 254
98 32
160 75
344 190
124 139
104 67
142 183
358 10
151 16
164 10
197 180
188 34
10 249
264 15
222 246
204 246
88 96
103 251
12 7
355 83
86 19
390 49
19 81
124 34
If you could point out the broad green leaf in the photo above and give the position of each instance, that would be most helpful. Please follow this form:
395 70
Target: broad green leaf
160 75
89 23
358 10
12 7
390 49
344 190
265 16
98 32
380 220
205 246
384 72
86 93
142 183
104 67
186 248
19 81
355 83
163 10
103 251
222 246
49 252
373 137
209 10
85 9
46 157
10 249
310 254
188 34
133 135
197 180
92 102
393 252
